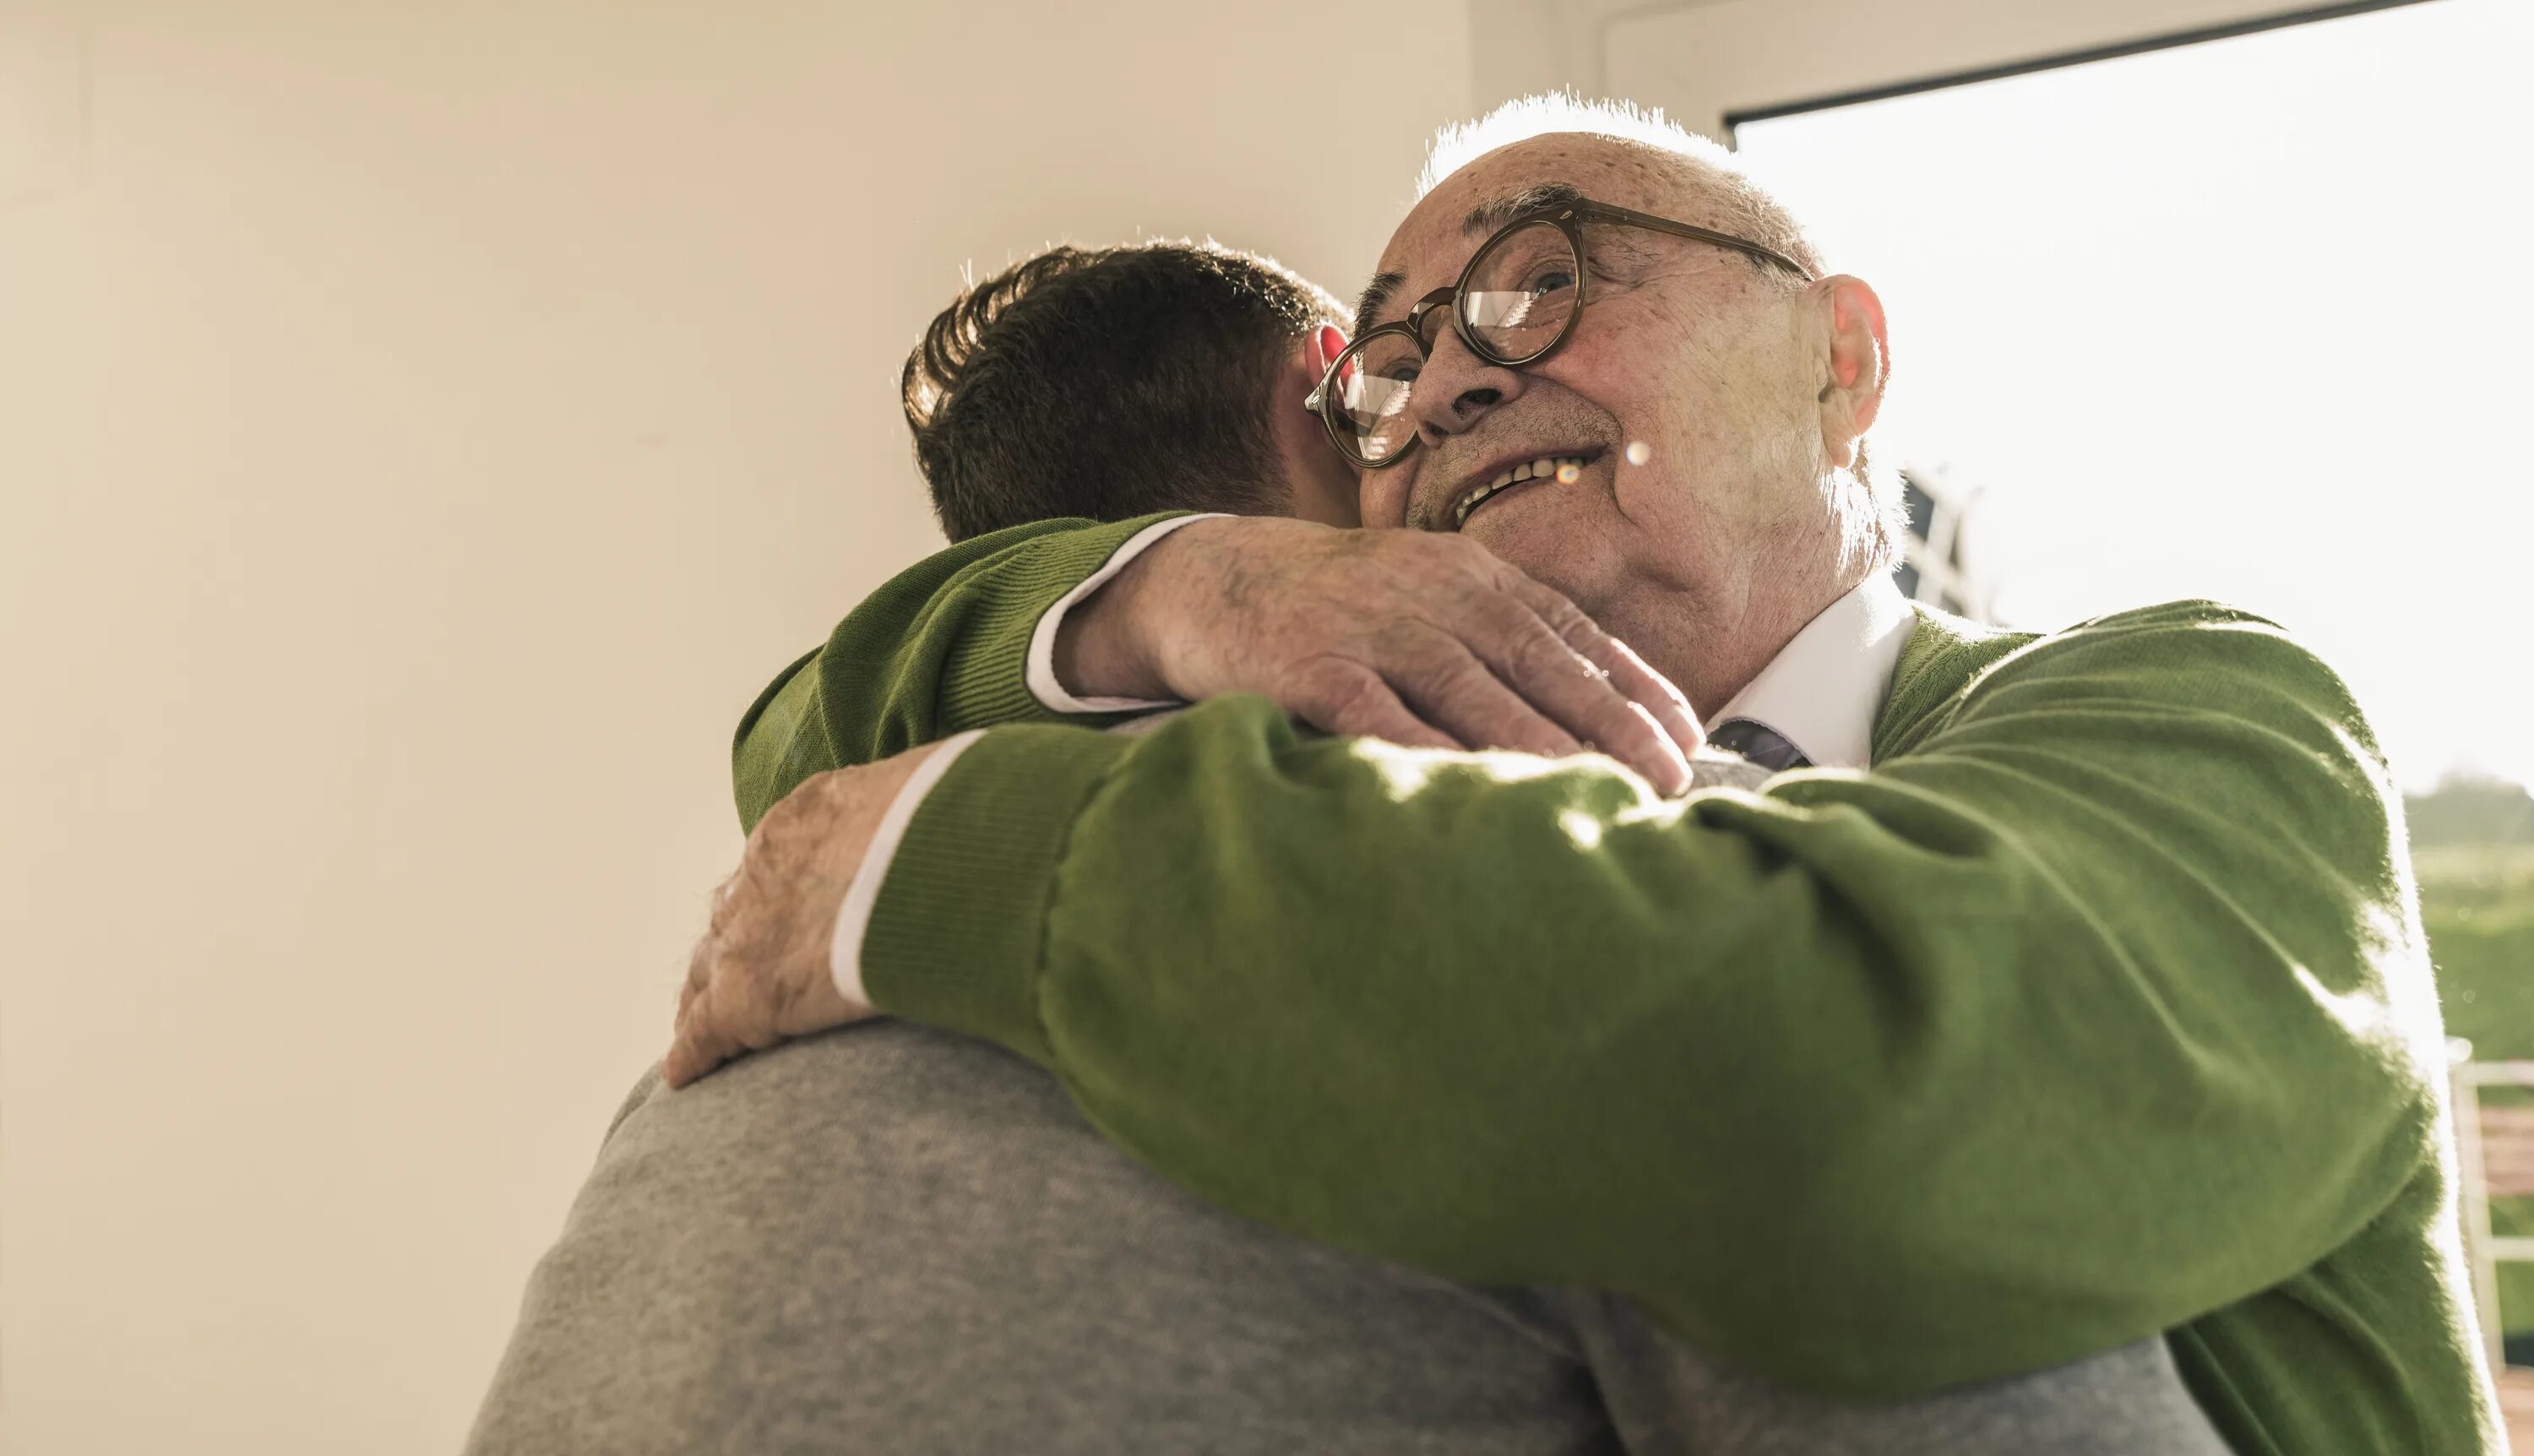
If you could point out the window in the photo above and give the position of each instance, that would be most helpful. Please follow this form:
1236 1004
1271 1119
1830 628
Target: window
2242 319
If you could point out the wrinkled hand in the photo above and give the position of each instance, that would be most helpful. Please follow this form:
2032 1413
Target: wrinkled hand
761 974
1414 637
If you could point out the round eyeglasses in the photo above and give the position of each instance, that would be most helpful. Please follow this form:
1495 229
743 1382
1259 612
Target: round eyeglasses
1515 303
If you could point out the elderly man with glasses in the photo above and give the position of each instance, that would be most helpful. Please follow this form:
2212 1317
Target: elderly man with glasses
2064 990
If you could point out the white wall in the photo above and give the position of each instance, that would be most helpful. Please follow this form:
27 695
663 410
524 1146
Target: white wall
423 428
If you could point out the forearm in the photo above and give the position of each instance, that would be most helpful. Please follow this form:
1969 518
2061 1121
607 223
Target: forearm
1877 1083
1403 636
944 647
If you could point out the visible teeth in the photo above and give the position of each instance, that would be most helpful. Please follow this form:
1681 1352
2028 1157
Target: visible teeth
1545 466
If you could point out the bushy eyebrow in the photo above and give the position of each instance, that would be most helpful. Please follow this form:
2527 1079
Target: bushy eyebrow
1488 216
1485 217
1375 294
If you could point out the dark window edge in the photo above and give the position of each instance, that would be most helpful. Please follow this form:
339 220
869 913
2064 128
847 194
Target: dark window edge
2168 41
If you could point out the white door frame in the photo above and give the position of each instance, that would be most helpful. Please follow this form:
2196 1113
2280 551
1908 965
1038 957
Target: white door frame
1708 63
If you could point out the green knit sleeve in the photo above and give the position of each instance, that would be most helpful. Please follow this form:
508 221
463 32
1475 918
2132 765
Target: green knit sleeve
938 650
2098 1008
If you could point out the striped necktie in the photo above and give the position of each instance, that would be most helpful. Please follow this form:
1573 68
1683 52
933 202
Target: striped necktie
1759 743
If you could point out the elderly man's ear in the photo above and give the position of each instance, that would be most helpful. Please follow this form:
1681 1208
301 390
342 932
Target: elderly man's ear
1855 362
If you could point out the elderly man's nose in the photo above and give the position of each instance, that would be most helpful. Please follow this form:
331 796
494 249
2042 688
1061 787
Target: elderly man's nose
1470 402
1457 386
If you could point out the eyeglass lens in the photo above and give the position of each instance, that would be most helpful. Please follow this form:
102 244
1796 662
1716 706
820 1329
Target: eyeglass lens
1520 297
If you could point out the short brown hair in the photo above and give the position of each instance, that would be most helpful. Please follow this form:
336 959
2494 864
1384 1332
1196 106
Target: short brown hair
1108 382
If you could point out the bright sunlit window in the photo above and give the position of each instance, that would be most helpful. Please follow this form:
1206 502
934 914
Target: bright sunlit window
2244 320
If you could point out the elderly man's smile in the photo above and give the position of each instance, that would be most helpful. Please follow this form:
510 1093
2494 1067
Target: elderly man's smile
1502 480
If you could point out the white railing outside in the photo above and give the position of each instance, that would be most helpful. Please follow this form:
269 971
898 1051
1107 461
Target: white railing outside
2486 1249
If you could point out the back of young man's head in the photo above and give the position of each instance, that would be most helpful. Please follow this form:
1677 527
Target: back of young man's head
1110 382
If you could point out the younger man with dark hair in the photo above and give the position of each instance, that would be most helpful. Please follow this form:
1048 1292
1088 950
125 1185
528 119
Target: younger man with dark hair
1079 384
963 1263
1111 382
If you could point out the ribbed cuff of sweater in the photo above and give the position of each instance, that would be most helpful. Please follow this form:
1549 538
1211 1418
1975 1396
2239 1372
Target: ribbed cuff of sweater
959 931
1016 624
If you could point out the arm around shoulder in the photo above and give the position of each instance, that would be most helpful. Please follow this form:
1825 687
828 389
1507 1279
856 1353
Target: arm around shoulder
946 645
1877 1082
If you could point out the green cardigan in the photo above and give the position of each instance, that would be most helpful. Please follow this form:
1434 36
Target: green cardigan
2098 1008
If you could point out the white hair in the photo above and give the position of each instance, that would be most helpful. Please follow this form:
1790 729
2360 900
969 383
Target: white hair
1457 144
1869 518
1742 205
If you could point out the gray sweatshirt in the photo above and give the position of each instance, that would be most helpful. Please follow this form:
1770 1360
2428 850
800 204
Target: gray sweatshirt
889 1238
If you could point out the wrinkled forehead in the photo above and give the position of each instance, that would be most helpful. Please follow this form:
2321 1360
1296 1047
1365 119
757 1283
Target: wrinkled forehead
1447 224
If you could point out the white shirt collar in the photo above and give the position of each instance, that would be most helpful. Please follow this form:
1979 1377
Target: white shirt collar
1823 690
